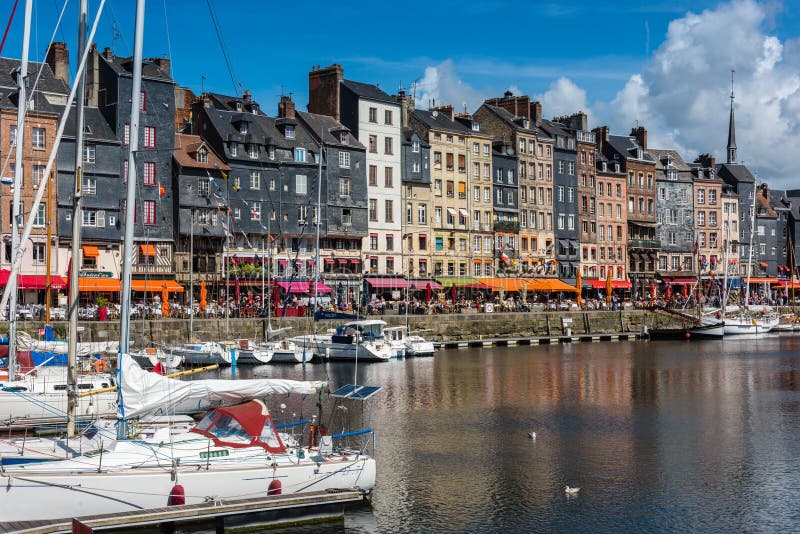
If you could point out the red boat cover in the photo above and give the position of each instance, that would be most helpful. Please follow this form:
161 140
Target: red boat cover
243 425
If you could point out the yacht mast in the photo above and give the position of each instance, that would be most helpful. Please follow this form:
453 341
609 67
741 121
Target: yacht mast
318 223
16 211
74 290
750 247
191 275
130 202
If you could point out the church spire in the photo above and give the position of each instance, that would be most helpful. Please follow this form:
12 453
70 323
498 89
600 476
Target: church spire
732 130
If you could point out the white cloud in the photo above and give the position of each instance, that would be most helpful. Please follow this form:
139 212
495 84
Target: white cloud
681 93
563 97
441 86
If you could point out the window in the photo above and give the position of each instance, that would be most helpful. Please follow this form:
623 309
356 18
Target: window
149 137
570 222
233 148
561 221
712 216
39 252
41 216
344 160
571 168
255 180
672 216
571 196
344 186
387 116
126 139
712 196
387 145
38 174
243 127
388 177
149 173
701 218
299 155
389 241
422 214
237 213
89 186
301 184
38 138
149 212
415 167
389 211
373 144
415 146
12 135
373 210
701 196
288 131
373 114
89 153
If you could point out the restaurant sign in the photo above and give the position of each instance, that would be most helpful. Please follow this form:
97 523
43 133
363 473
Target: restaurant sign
96 274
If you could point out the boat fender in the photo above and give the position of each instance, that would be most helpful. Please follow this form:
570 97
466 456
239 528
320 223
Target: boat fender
312 429
274 487
100 365
688 335
177 496
719 315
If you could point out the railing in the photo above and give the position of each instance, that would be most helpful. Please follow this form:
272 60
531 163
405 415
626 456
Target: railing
506 225
644 243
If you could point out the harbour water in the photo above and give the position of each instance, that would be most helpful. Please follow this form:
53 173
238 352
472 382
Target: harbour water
660 436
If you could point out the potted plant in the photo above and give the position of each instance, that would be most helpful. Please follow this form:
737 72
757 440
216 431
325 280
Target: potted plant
102 307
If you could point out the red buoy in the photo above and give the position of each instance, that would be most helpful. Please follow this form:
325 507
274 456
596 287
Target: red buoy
688 335
177 496
274 487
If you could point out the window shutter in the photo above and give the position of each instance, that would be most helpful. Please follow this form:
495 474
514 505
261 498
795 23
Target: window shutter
101 218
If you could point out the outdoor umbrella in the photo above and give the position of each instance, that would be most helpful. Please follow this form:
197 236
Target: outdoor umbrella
236 290
428 292
609 286
453 293
669 292
653 290
578 283
276 296
203 296
685 290
164 300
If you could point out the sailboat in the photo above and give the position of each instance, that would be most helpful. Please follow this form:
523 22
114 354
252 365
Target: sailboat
743 322
233 452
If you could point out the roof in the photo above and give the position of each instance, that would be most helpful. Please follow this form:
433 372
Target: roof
513 122
436 120
228 103
764 209
95 126
47 81
185 153
553 128
262 130
369 92
660 157
328 125
124 66
625 146
736 172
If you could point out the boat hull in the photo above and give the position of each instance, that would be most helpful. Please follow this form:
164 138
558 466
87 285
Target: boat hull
74 494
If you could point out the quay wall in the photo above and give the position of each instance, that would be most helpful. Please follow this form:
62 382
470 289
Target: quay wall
445 327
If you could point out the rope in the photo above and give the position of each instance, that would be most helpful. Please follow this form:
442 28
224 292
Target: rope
8 26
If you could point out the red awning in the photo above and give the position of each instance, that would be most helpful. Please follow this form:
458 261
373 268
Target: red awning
302 286
33 281
389 282
329 261
615 284
283 262
342 261
355 261
763 280
423 284
684 281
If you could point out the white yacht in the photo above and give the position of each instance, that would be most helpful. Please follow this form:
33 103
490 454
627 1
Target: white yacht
204 353
287 351
744 323
357 340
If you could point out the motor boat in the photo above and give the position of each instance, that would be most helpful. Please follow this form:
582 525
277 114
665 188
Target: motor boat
151 356
745 324
204 353
358 340
248 353
287 351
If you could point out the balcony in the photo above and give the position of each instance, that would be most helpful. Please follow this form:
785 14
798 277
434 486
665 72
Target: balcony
506 225
644 243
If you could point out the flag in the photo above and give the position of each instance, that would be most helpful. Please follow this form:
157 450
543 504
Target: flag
161 190
696 243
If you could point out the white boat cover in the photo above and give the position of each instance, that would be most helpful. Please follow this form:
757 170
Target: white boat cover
144 392
25 342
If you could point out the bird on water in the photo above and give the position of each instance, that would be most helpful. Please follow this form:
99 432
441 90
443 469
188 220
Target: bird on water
571 491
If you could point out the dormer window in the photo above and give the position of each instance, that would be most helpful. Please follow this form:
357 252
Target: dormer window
616 167
289 131
238 106
415 146
711 173
604 166
233 149
476 126
343 137
639 154
202 155
242 127
525 123
252 151
672 175
300 155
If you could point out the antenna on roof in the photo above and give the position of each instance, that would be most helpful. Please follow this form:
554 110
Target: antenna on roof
733 71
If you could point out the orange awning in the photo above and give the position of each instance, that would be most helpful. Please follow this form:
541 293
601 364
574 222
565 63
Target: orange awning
147 250
550 285
90 251
156 286
99 285
508 284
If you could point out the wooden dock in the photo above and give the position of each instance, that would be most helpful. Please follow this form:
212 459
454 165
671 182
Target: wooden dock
225 515
548 340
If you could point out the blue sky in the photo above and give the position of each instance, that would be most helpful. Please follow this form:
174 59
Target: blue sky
607 58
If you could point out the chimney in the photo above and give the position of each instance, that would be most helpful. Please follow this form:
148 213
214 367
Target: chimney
536 112
508 94
640 134
519 106
108 54
286 107
406 106
765 191
164 63
58 59
324 90
246 95
601 136
707 161
447 111
93 77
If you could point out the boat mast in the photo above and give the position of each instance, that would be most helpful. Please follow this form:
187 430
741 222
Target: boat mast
318 221
74 290
191 274
750 248
791 274
725 290
130 203
16 211
268 305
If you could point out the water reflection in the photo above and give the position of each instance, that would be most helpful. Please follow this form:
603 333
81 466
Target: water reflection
661 436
